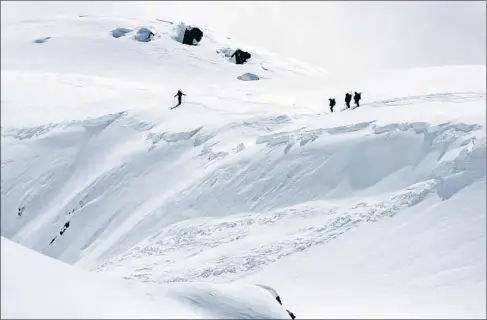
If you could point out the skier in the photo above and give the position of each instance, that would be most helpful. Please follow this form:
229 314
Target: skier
356 98
179 95
332 104
348 98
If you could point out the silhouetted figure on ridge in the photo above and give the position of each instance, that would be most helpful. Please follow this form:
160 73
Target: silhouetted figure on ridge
348 98
356 98
332 104
179 95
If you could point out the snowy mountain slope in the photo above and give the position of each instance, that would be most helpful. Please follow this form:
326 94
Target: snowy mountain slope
244 177
74 293
73 40
215 163
427 262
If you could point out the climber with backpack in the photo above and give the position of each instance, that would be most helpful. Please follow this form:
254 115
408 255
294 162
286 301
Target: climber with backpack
332 104
356 98
348 98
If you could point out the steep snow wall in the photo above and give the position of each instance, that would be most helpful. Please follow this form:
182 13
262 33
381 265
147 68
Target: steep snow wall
93 168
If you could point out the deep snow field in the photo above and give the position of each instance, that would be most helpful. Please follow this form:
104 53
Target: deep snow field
375 212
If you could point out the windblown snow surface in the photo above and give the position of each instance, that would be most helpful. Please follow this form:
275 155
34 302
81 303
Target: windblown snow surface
38 286
373 212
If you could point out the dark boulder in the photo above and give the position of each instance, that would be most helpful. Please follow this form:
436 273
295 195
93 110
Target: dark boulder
192 36
241 56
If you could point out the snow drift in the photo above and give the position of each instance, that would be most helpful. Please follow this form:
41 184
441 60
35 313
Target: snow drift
36 286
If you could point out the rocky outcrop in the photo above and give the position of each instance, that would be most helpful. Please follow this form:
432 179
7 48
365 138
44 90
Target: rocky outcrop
187 35
241 56
192 36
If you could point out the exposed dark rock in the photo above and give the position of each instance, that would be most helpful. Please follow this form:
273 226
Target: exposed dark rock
41 40
192 36
52 240
291 314
66 226
241 56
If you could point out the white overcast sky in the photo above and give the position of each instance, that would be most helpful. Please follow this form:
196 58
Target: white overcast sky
333 35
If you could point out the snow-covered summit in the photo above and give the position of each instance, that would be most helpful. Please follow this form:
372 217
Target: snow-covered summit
109 47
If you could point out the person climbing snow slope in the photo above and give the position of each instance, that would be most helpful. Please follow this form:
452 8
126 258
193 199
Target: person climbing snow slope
348 98
179 95
356 98
332 104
